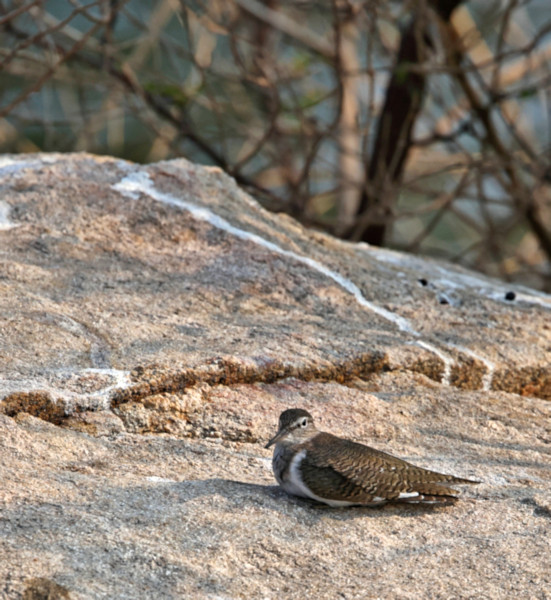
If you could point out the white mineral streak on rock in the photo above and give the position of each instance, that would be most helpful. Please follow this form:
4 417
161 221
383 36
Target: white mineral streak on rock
440 277
120 380
140 182
446 360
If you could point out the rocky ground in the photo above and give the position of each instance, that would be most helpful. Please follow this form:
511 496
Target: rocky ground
154 322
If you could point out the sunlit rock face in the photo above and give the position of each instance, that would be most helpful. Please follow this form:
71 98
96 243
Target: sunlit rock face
155 321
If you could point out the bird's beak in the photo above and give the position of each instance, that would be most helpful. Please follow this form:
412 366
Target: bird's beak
278 436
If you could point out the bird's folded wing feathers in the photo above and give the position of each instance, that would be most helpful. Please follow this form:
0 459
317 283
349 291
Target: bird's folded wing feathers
370 469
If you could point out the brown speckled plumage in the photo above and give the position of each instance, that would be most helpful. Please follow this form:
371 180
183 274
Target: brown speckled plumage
341 472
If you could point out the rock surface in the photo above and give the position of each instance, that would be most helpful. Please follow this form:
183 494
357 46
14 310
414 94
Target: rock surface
154 321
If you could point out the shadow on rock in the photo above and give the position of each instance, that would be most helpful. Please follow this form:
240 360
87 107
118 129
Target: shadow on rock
272 497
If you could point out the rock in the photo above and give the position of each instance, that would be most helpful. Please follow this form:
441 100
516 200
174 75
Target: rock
154 323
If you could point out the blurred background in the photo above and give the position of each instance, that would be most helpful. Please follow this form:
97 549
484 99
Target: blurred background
423 126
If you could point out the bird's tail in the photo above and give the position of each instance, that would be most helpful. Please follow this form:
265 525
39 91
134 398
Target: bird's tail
434 492
441 499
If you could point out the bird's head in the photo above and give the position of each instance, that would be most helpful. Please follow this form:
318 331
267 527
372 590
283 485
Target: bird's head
295 426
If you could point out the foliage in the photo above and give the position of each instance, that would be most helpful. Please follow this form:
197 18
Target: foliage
422 125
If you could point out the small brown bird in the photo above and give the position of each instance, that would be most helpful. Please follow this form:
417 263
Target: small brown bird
339 472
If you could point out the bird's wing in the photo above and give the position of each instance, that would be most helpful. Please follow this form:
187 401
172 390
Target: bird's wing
358 470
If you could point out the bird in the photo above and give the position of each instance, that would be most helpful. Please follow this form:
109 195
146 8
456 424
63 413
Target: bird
339 472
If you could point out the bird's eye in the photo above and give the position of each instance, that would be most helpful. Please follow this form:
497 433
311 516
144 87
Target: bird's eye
303 423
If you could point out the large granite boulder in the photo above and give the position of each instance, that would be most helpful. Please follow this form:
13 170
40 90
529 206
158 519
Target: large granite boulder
154 321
